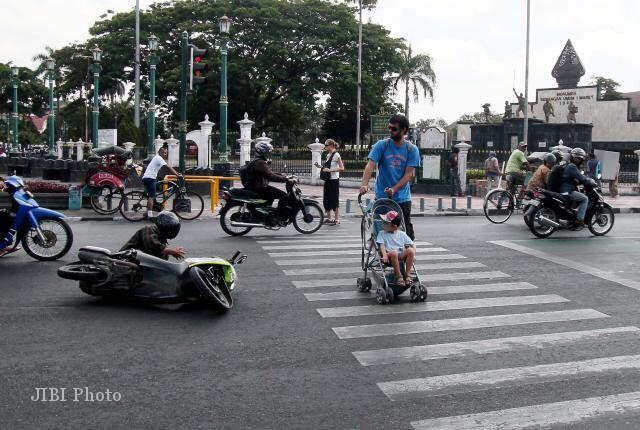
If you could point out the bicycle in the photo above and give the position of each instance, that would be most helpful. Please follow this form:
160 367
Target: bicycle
187 205
500 204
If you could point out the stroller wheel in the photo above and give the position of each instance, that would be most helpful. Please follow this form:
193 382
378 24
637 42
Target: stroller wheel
390 296
423 293
414 293
381 296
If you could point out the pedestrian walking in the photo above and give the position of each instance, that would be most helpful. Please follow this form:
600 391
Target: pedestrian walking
396 160
613 184
454 175
330 174
492 170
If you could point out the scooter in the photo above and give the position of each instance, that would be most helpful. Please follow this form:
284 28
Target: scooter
44 233
244 210
135 274
549 212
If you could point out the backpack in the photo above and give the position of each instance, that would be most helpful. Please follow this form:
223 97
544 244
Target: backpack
246 174
555 178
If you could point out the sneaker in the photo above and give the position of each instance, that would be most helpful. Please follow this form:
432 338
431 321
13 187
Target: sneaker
580 223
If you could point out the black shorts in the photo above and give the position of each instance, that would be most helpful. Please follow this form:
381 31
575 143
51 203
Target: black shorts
149 187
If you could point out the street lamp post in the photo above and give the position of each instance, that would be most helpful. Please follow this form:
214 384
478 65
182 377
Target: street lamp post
225 24
95 69
153 60
14 83
52 112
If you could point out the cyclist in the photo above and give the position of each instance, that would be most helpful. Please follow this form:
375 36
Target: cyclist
517 166
152 239
149 179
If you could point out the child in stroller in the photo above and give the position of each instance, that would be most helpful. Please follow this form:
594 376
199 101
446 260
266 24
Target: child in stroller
396 246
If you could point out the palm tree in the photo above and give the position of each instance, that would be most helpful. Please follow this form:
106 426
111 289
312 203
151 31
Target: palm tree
416 73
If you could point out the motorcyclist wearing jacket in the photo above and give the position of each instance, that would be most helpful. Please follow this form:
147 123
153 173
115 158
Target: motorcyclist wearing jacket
7 236
260 174
153 239
540 178
571 177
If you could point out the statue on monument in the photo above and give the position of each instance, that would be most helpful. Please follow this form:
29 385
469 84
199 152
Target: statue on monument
548 110
522 104
571 116
508 111
487 112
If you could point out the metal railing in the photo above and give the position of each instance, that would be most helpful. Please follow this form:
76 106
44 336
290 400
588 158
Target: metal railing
214 183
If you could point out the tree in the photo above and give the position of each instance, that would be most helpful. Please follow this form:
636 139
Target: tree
429 122
607 88
416 74
480 117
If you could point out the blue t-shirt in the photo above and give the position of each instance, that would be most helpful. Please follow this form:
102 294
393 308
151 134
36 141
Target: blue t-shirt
392 162
395 241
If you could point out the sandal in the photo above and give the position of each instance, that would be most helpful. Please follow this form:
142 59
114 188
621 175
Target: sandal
408 281
330 222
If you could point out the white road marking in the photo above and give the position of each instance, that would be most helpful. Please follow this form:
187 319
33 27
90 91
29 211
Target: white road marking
392 329
487 346
336 270
507 377
338 252
433 291
316 240
590 270
445 305
320 261
432 277
304 238
336 245
560 414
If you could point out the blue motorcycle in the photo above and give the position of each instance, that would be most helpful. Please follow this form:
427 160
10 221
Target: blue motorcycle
44 233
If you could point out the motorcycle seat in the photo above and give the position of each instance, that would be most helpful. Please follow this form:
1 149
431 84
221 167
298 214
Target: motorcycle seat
555 195
97 249
247 195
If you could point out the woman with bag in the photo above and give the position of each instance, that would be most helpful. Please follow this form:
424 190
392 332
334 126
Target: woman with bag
330 174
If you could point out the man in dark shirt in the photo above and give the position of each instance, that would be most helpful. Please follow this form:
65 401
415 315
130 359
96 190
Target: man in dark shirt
456 189
152 239
571 177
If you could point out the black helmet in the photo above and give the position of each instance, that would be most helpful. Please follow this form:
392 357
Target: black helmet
558 154
549 158
168 224
264 150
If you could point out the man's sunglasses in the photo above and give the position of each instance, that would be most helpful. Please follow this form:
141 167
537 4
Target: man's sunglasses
391 128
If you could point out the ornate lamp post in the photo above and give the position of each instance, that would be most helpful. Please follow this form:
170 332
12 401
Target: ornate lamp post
96 68
14 83
51 64
225 24
153 60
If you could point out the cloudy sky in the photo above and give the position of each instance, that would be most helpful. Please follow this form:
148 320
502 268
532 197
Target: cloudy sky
478 46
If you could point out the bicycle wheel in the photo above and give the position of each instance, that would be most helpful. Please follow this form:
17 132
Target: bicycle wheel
177 203
134 206
498 206
107 200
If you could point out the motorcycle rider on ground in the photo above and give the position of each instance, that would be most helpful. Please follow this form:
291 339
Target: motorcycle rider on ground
571 177
260 174
152 239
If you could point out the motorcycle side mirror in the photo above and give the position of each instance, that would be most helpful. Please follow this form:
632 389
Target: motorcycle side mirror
237 258
241 260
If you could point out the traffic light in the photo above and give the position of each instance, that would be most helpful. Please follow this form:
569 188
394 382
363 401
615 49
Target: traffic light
197 66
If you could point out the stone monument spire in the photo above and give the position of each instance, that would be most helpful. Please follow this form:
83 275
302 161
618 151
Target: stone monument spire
568 69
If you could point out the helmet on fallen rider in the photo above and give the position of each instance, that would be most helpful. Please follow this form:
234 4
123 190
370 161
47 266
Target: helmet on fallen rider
264 150
549 159
168 224
578 153
13 184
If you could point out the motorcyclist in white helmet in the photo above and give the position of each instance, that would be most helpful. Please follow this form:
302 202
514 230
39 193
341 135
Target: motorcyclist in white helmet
571 177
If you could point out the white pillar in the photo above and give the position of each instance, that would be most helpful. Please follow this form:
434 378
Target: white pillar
174 151
129 146
204 151
316 157
462 164
245 139
157 143
79 150
59 144
637 152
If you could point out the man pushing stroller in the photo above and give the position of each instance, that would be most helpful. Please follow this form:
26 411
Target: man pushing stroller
395 247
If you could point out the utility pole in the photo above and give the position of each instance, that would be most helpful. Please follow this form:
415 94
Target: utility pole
136 112
359 101
182 126
525 131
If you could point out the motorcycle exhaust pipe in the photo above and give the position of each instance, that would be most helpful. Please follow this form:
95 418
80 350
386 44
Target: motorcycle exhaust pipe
547 222
246 224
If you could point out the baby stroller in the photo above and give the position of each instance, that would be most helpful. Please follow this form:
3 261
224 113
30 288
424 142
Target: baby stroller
386 288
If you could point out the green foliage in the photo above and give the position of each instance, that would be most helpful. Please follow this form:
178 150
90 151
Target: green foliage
429 122
481 117
607 88
416 74
476 174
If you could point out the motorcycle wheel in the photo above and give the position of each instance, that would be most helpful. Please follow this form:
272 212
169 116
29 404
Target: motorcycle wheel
81 272
540 230
215 295
310 223
107 200
601 221
227 215
58 239
133 206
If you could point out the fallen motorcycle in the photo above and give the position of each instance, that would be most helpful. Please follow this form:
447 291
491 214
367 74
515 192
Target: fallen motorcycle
134 274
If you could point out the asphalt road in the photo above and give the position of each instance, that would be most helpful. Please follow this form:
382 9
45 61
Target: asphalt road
555 326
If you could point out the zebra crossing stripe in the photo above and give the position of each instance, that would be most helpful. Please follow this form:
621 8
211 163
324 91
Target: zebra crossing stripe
320 261
508 377
317 240
433 291
469 323
560 414
445 305
336 245
338 252
305 237
432 277
337 270
488 346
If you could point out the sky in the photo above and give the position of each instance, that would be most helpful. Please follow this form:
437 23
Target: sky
478 46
